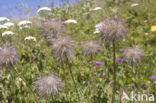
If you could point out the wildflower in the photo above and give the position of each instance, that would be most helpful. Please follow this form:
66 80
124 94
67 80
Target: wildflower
153 77
70 21
119 60
63 49
98 64
90 48
133 5
3 27
97 8
97 28
52 29
24 27
153 28
112 30
43 9
133 55
3 19
30 38
8 56
24 22
7 33
49 85
9 24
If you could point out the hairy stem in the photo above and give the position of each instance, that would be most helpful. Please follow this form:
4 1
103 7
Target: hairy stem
72 77
114 73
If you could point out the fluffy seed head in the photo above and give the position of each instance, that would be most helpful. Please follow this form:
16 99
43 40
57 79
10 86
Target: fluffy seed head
90 48
112 30
8 56
63 49
48 86
133 55
52 29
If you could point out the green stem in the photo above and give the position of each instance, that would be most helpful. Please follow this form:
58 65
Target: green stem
114 73
72 77
64 71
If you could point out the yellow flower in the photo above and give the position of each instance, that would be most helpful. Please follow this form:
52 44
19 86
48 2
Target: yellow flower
153 28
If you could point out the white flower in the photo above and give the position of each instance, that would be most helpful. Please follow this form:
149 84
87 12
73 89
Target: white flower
9 24
3 27
97 8
43 9
24 27
133 5
30 38
97 28
70 21
2 19
7 33
96 31
24 22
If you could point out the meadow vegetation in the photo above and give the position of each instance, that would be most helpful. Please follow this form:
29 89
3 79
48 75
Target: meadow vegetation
106 47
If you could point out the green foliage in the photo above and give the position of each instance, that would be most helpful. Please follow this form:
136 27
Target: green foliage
94 83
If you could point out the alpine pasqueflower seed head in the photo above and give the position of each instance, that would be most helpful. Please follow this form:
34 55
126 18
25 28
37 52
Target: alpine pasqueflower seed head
52 28
8 56
133 55
112 30
48 86
63 49
90 48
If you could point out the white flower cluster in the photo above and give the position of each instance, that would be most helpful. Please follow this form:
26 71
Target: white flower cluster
135 4
30 38
97 8
24 24
4 19
97 28
43 9
3 27
9 24
70 21
7 33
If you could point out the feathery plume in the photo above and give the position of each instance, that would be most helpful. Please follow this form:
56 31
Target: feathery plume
8 56
52 29
112 30
90 48
133 55
49 85
63 49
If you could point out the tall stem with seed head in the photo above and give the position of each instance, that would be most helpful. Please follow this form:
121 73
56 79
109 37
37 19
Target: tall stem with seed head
114 73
